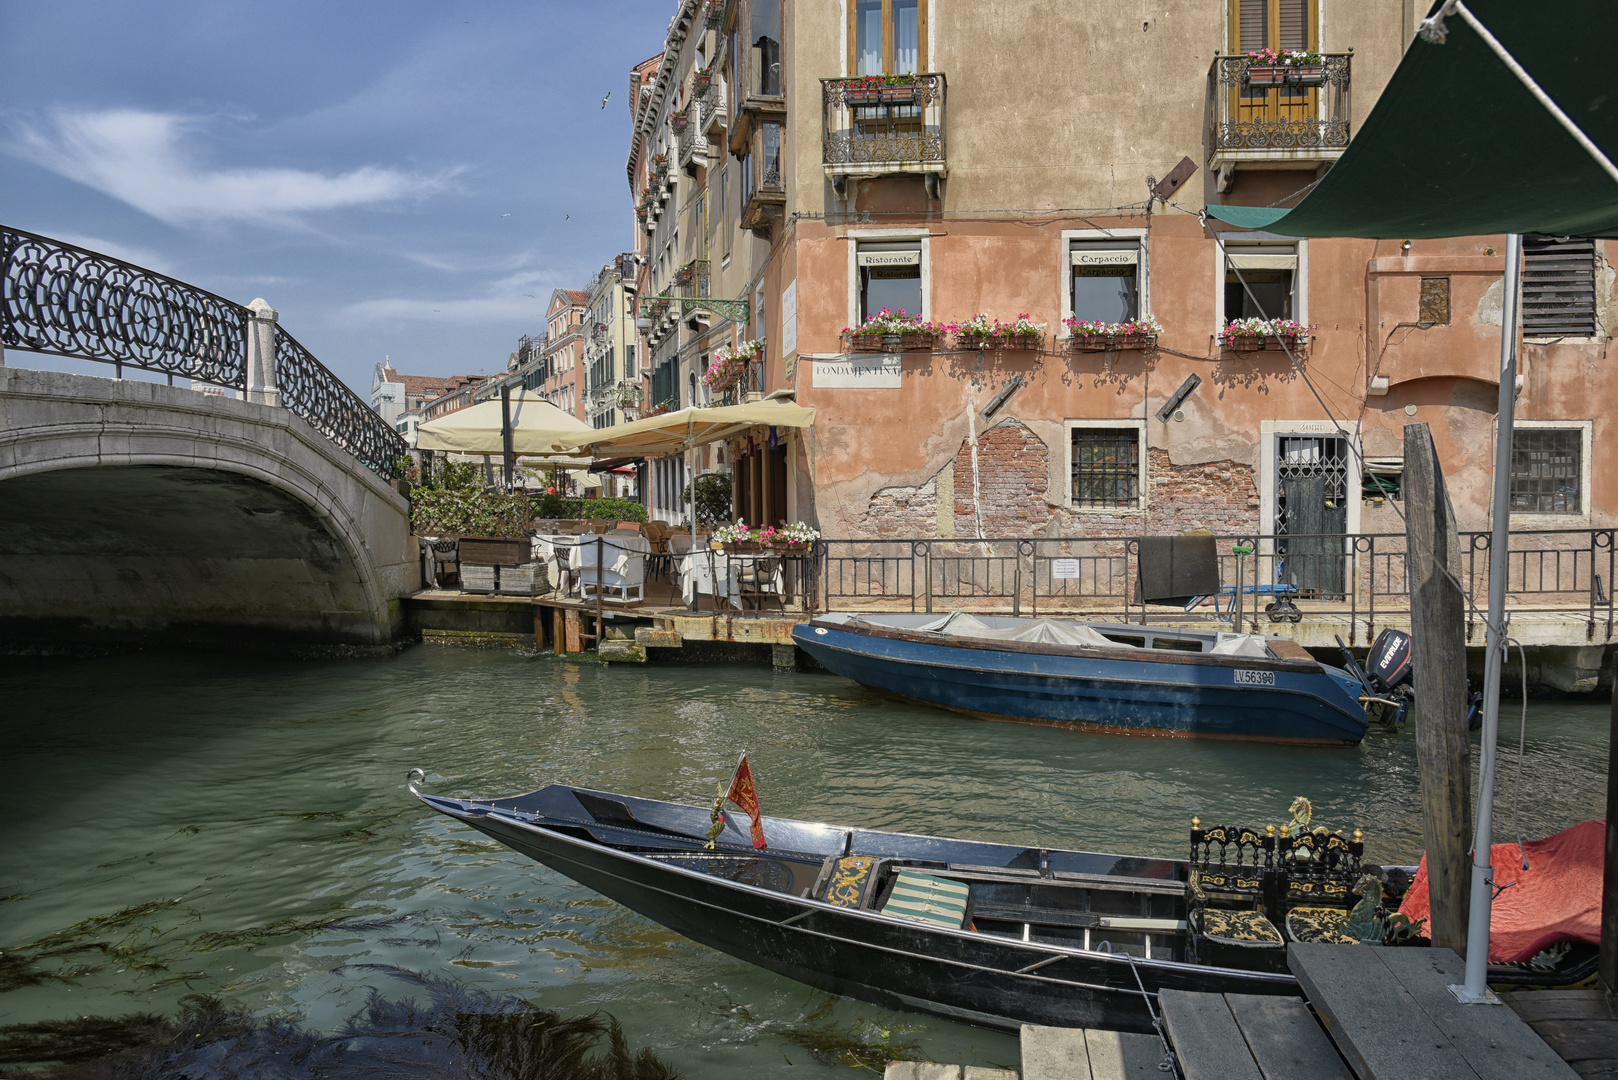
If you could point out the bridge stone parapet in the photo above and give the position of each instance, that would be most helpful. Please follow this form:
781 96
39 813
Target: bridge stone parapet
132 512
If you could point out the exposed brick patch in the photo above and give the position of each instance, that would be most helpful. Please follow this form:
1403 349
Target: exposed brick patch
902 512
1013 481
1217 495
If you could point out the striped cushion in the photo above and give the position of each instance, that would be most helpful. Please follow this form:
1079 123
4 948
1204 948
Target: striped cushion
933 900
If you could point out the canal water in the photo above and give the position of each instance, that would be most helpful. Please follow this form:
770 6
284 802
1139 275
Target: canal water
182 824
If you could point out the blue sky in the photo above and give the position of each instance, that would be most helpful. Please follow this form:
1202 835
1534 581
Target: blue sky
406 179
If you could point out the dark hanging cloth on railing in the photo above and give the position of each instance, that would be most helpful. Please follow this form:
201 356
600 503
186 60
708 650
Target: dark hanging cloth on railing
1173 569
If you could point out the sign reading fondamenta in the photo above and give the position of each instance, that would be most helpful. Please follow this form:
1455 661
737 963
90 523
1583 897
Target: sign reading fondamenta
866 371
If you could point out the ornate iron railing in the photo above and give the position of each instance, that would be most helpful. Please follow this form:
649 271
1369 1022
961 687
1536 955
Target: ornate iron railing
1356 580
1281 109
878 128
308 388
67 301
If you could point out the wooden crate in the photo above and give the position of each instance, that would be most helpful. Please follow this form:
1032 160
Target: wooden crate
477 579
529 579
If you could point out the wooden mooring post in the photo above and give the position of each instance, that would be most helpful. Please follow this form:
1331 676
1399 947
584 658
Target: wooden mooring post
1438 630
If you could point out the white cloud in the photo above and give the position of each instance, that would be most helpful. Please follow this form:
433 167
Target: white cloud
139 158
505 299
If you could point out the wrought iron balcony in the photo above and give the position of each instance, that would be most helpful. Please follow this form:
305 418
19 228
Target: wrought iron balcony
1278 117
876 127
692 278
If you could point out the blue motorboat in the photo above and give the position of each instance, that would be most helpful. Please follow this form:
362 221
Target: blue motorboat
1137 680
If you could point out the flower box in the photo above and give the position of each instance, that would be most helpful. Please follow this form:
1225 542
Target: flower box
1307 75
742 547
1268 343
790 548
897 95
1112 342
1266 75
862 95
888 343
1023 342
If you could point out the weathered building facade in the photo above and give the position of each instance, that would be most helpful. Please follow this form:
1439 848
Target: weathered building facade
956 159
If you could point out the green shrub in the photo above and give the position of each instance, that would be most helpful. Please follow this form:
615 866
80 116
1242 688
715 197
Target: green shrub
559 506
469 512
713 498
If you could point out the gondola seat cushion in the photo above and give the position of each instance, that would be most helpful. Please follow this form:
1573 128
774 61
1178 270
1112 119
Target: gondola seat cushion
924 898
1249 929
1320 926
850 880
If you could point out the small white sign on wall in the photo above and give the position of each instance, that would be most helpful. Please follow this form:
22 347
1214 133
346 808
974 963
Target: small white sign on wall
864 371
1064 568
789 319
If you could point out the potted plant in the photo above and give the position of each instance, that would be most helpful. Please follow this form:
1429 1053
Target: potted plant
728 365
1022 334
1252 335
978 332
735 539
794 539
880 90
889 331
1300 67
702 79
1094 335
679 119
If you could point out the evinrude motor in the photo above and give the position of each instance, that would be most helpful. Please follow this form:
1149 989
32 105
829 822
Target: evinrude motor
1389 680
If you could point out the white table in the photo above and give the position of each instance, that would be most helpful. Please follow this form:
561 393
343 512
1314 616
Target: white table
699 570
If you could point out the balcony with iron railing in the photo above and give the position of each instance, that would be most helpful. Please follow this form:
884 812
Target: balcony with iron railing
1282 116
882 125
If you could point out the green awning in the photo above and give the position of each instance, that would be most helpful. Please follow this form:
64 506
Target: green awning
1458 146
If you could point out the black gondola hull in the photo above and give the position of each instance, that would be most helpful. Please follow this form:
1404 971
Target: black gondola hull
961 975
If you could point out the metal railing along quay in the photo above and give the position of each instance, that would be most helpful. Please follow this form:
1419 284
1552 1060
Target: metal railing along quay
1359 577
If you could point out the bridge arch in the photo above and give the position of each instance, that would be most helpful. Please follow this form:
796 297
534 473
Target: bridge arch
137 513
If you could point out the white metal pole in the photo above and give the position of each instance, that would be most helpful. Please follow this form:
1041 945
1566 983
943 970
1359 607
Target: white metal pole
1476 989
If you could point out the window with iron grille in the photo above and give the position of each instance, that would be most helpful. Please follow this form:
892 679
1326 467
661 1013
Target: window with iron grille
1106 467
1547 471
1558 287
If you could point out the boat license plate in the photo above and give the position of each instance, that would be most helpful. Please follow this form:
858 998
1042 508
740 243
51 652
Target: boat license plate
1249 677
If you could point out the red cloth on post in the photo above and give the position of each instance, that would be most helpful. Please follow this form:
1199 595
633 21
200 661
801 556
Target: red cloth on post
1558 898
745 795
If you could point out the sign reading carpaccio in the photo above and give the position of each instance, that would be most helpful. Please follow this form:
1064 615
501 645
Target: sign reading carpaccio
862 371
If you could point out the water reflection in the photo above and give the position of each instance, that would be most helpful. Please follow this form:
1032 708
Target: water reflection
259 811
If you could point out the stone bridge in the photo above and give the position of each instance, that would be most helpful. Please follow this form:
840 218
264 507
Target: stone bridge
132 512
139 513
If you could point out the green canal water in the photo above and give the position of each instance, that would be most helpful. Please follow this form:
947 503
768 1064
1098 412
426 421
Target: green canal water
181 824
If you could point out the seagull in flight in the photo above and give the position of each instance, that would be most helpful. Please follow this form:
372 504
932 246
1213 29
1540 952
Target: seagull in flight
604 100
505 215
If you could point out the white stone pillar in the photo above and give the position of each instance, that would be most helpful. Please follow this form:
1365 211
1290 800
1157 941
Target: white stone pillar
261 383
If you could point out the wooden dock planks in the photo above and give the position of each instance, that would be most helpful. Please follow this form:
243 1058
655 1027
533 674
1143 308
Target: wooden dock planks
1580 1025
1391 1014
1285 1038
1206 1039
1050 1053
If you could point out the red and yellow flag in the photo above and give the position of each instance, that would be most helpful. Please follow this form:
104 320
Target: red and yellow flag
745 795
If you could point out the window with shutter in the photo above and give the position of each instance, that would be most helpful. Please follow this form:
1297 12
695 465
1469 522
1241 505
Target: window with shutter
1272 24
1558 287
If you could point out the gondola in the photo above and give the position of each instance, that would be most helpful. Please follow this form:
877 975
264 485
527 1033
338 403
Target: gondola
990 934
1105 677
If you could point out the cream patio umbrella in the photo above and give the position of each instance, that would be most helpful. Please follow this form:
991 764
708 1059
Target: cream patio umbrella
685 430
536 425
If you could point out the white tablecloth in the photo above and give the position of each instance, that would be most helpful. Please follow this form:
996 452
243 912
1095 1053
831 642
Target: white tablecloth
699 571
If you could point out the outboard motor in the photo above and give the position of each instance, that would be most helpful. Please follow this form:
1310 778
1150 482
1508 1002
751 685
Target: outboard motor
1389 673
1388 662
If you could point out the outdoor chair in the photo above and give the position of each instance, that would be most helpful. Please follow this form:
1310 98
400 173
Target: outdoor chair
1231 884
442 557
1318 873
621 569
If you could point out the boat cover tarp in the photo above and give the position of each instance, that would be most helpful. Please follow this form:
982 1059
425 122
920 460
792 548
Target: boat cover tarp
1040 631
1558 898
1242 645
